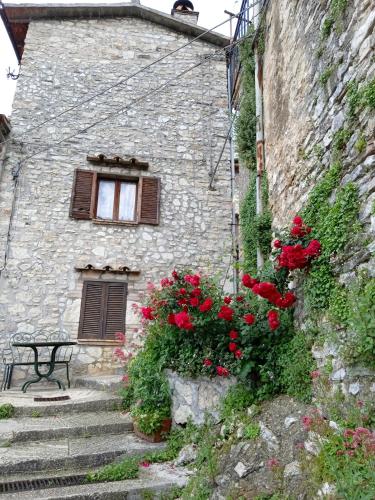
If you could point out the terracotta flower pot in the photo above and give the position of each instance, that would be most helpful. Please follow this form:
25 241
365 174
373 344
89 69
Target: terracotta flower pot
156 437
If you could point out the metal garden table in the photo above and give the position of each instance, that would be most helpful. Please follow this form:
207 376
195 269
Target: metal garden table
37 364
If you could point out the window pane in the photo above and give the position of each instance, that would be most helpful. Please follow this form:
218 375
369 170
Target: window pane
127 200
105 199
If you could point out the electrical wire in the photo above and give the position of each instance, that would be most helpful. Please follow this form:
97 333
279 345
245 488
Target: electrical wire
127 78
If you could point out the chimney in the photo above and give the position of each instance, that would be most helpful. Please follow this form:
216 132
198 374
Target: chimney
183 10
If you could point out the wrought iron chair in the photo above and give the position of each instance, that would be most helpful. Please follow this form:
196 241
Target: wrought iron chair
22 356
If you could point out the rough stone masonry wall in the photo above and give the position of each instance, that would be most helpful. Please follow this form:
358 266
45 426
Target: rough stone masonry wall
179 131
302 114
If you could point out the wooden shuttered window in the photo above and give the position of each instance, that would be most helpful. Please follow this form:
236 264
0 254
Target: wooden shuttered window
82 197
84 200
103 310
149 204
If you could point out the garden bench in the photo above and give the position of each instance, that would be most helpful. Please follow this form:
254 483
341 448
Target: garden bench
21 356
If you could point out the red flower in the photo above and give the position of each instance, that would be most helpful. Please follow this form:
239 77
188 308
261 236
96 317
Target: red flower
222 372
248 281
267 291
232 346
298 231
226 313
273 320
182 291
206 306
227 300
194 280
233 335
207 362
240 298
171 319
293 257
313 249
175 276
147 313
315 374
272 463
183 321
145 464
182 302
194 302
287 301
197 292
249 319
277 244
238 354
298 221
165 282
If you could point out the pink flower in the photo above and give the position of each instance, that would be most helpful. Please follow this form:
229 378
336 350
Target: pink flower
307 422
145 464
272 463
194 280
150 287
238 354
125 378
120 337
315 374
207 362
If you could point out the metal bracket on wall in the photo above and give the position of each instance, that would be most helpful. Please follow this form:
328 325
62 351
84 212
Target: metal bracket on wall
108 269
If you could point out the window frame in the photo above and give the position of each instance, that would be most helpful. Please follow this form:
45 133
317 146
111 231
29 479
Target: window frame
116 200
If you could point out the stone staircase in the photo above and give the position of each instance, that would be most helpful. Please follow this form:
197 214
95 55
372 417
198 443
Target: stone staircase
49 446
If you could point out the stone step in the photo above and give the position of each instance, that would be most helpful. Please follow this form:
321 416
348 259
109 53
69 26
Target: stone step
63 426
80 401
154 481
110 383
70 453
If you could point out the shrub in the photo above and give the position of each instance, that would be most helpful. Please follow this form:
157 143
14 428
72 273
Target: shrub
127 469
6 411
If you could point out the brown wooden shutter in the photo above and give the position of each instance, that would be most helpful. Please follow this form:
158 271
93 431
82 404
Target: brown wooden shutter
115 312
103 310
149 203
90 324
81 204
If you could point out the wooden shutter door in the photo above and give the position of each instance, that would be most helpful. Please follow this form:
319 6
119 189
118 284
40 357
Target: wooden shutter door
90 324
149 206
80 207
115 310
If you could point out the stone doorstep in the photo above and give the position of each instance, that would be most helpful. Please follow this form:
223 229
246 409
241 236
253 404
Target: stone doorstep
71 453
111 383
158 479
81 401
64 426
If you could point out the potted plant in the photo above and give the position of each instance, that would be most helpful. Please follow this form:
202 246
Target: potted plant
152 426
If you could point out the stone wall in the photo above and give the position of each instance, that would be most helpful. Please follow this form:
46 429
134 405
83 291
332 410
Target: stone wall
179 131
306 76
193 399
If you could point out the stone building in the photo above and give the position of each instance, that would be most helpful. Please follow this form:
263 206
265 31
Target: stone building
109 167
4 132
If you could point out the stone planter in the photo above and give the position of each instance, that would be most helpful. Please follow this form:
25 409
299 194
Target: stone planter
194 398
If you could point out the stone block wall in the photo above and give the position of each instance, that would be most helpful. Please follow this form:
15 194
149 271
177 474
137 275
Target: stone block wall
179 131
306 75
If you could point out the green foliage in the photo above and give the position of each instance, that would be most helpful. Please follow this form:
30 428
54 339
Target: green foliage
353 475
338 311
327 27
245 125
6 411
255 229
252 431
326 75
127 469
297 363
334 224
360 343
360 98
361 144
238 398
340 139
